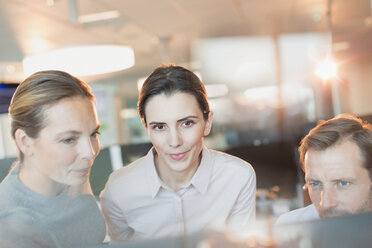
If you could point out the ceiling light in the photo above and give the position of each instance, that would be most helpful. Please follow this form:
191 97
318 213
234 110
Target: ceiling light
326 69
81 60
101 16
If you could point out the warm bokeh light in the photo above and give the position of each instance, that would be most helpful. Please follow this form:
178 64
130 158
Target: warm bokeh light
128 113
140 82
81 60
326 69
216 90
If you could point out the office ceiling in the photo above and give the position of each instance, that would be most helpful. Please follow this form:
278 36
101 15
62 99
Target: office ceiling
164 30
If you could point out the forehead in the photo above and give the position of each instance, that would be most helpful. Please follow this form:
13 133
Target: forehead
70 113
341 160
174 106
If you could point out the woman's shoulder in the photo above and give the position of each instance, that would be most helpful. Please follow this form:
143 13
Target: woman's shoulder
129 173
10 192
230 162
20 218
21 227
231 169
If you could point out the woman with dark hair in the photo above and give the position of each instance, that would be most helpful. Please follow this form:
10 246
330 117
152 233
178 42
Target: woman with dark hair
46 199
180 187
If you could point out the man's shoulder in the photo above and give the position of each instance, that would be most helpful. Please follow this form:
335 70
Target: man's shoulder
299 215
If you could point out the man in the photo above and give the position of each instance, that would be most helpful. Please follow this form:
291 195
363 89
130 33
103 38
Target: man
337 160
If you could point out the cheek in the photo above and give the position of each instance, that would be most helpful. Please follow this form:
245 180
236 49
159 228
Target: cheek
356 195
55 155
193 137
66 158
58 163
96 146
315 196
65 155
157 140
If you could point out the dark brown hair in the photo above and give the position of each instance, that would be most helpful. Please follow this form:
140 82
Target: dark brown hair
169 79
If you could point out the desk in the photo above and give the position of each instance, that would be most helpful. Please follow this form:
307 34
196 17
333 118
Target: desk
350 231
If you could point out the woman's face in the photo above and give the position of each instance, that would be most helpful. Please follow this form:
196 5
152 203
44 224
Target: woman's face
66 147
176 128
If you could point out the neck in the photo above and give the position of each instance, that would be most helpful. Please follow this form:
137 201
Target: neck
175 179
38 182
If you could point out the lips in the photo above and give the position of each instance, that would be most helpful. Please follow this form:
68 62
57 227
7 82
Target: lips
178 156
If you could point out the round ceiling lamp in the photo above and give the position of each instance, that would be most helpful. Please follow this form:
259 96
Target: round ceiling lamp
81 60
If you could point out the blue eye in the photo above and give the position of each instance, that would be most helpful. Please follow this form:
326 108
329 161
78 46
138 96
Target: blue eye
68 141
343 183
314 184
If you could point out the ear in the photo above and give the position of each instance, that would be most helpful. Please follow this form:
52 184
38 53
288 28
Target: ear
208 124
23 142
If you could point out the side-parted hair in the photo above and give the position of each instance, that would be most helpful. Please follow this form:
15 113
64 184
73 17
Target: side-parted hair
38 91
336 130
170 79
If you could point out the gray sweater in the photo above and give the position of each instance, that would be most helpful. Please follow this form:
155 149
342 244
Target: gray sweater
29 219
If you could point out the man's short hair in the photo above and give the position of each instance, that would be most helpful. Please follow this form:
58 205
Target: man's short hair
336 130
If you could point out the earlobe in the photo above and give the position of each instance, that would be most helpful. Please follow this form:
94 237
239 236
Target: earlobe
208 124
23 142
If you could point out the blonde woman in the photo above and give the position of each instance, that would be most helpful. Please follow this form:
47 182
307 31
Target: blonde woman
46 200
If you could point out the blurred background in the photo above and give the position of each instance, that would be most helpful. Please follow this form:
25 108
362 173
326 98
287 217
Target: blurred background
272 69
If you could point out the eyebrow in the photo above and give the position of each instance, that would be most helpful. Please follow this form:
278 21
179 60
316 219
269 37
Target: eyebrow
310 178
187 117
73 132
333 180
344 179
155 122
69 132
180 120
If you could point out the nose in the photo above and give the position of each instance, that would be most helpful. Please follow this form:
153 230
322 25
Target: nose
89 149
328 198
175 138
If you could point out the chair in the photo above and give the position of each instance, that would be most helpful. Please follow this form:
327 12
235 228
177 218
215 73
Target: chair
5 165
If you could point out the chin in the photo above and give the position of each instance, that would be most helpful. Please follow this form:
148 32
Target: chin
179 169
77 181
